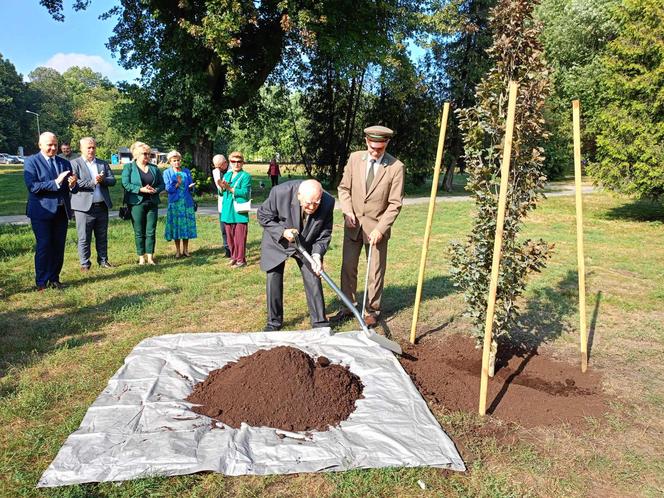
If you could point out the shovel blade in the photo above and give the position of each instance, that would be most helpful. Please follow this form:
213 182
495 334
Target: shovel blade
384 342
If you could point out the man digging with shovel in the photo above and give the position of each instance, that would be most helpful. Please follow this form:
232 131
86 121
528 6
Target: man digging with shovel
295 209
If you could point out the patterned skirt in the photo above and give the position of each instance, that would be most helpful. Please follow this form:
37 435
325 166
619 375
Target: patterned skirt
180 221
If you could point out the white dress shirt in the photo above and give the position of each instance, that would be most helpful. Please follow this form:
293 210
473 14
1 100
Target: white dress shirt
94 171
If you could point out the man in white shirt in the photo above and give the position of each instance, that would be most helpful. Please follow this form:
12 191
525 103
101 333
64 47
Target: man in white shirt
219 169
92 203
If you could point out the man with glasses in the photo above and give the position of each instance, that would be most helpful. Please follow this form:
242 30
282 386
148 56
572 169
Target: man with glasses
295 209
371 194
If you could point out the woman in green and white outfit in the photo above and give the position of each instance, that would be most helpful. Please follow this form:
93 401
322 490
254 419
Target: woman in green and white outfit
236 188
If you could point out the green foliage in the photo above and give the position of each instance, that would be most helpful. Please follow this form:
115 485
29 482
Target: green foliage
518 57
406 104
15 124
56 102
574 35
98 111
630 127
459 59
203 183
264 127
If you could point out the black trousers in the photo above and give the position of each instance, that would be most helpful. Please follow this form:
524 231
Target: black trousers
313 289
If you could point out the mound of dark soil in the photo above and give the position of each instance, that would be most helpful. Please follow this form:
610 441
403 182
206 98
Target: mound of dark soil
280 387
528 388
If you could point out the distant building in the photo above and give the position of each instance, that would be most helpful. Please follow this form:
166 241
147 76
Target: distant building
124 155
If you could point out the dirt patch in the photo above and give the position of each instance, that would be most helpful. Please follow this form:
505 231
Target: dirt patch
282 387
528 388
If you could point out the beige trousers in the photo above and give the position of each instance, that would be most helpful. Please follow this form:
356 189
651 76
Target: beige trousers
351 257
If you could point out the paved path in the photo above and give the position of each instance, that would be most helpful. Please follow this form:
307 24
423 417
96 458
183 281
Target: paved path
555 191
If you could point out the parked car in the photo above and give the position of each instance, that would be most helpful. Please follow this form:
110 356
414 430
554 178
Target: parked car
9 159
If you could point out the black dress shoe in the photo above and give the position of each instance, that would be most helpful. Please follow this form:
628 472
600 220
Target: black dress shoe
271 328
342 316
105 264
57 285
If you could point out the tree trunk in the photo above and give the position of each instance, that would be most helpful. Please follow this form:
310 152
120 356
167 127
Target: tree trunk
448 178
202 155
493 352
307 166
330 97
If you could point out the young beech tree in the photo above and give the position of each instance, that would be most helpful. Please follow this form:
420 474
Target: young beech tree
517 54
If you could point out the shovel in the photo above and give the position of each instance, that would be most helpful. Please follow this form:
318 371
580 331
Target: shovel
368 333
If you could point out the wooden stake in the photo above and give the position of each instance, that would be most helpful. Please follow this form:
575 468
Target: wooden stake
497 245
432 208
579 236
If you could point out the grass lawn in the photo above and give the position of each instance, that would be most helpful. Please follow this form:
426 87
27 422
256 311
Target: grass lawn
58 350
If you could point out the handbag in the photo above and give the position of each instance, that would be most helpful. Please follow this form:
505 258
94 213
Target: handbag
242 207
124 213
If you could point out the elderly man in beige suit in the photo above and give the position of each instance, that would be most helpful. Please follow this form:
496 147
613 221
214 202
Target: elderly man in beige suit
371 195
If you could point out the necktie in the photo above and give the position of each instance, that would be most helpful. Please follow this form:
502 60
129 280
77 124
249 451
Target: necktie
51 163
370 174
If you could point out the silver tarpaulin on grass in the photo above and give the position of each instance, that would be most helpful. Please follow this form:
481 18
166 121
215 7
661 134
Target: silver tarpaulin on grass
141 426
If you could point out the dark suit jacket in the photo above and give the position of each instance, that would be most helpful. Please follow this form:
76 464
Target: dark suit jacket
281 210
131 181
82 200
43 193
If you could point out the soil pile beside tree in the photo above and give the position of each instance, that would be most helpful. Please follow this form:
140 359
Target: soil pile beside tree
280 387
528 388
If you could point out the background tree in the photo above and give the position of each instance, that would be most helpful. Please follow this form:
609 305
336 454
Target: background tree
264 127
198 59
54 102
456 64
405 103
99 110
517 53
575 34
630 126
16 127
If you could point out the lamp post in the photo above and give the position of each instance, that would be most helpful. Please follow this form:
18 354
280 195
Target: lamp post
38 130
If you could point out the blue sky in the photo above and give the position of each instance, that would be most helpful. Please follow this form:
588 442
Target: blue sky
31 38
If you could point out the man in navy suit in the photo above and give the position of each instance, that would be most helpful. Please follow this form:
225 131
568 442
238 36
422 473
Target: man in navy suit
49 180
292 208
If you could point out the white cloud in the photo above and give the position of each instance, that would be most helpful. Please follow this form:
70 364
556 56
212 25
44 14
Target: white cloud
61 62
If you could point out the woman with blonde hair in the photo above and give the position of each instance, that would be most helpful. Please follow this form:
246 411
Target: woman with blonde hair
236 188
142 182
180 216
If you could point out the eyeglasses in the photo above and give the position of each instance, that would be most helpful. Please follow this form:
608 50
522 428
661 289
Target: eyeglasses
235 162
311 203
145 153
